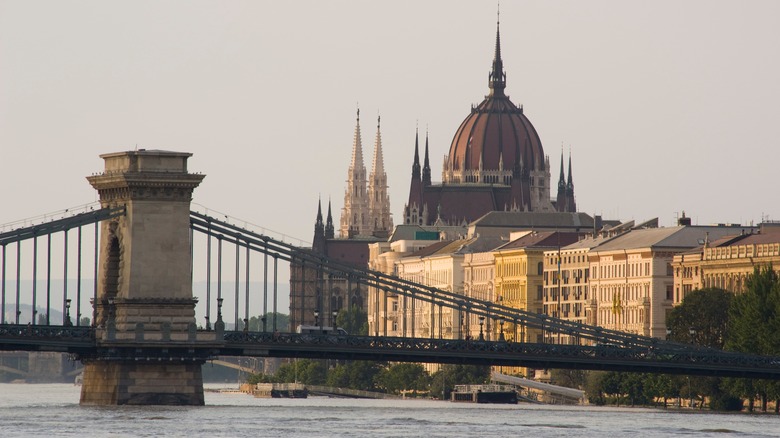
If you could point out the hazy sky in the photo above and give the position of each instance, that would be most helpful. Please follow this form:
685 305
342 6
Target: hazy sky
666 105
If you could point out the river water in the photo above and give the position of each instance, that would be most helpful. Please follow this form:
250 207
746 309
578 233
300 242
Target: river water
52 410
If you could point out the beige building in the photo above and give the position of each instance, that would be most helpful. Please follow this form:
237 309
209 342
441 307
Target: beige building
566 289
726 263
631 276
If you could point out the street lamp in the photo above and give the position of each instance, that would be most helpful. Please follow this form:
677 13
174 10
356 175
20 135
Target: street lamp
335 313
316 317
68 323
219 309
501 334
481 323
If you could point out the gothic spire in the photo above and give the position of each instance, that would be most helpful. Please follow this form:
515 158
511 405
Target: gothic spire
329 228
497 77
357 146
318 244
570 183
426 175
416 164
378 166
562 178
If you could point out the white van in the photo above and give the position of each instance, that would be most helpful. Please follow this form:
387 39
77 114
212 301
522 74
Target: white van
317 330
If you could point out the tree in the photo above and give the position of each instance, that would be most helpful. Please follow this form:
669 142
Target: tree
357 374
307 371
701 318
444 380
569 378
754 315
354 320
753 326
256 323
404 376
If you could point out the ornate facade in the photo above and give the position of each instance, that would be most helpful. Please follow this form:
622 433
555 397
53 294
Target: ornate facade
366 209
495 163
631 277
727 262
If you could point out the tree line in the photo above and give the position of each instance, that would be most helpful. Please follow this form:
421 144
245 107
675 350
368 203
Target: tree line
745 322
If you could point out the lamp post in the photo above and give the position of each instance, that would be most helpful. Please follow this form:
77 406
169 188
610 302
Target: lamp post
316 317
335 313
68 322
481 323
501 333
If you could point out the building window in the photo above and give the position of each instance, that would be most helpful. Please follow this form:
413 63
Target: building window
669 292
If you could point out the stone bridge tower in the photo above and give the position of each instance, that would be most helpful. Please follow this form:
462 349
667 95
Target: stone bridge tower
145 284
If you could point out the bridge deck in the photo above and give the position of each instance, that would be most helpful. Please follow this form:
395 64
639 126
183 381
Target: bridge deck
85 342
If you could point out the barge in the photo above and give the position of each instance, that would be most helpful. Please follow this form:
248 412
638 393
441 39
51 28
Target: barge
484 394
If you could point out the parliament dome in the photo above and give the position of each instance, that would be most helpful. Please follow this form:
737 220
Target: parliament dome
495 139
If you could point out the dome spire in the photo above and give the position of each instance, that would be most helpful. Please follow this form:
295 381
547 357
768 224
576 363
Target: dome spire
497 77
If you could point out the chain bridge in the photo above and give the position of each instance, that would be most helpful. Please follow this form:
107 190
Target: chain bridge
125 304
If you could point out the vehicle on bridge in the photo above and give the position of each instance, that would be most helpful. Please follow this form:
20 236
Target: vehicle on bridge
319 330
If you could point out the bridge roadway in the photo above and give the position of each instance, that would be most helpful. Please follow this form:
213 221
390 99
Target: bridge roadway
665 357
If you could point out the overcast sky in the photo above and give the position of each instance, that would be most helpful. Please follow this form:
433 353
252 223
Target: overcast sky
666 105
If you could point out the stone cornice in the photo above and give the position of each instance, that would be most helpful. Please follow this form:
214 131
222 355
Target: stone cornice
148 186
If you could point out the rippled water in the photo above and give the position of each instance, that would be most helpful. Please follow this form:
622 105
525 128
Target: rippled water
53 410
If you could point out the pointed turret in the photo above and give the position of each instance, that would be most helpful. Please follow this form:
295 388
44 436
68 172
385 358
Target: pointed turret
414 208
426 174
318 244
560 200
497 77
416 163
329 228
354 215
572 206
379 220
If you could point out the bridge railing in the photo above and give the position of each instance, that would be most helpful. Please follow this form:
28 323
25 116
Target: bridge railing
33 255
495 312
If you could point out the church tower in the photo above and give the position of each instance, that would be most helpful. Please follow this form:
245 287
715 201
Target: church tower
380 221
354 214
415 211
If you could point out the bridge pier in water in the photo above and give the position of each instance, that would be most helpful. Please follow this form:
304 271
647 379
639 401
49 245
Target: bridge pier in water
144 311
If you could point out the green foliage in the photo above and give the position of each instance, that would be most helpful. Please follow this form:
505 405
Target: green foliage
358 374
254 379
354 320
754 314
444 380
403 376
701 318
753 326
568 378
307 371
256 323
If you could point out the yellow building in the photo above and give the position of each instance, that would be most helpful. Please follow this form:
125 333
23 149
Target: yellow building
519 277
726 263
